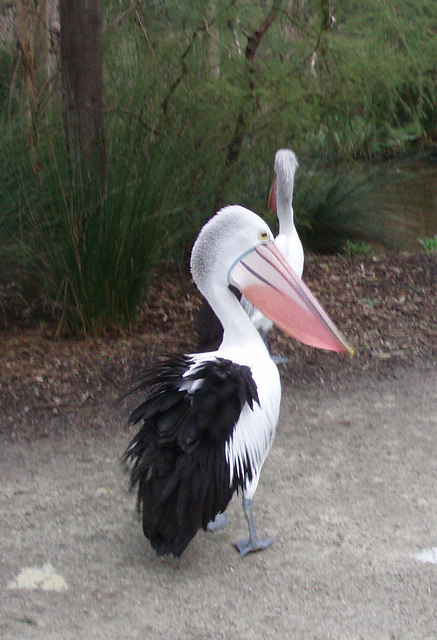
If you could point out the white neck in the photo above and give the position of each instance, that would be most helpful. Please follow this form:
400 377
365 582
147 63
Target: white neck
238 329
284 197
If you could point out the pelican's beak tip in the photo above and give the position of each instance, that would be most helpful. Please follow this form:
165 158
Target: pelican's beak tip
350 350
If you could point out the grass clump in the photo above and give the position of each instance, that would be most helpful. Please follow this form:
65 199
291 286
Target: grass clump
331 208
90 247
429 244
357 248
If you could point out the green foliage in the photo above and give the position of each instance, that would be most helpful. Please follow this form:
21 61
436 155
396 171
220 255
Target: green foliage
107 246
6 71
331 206
357 248
365 87
176 83
13 151
91 253
429 244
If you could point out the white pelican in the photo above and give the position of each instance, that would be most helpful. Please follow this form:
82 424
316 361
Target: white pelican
209 418
279 201
288 241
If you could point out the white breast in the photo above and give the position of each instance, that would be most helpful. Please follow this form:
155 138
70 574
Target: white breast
254 432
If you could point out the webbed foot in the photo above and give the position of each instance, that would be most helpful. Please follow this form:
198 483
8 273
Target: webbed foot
220 521
249 546
253 542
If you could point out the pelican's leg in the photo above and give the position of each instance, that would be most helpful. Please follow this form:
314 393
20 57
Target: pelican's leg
220 521
265 337
279 359
253 543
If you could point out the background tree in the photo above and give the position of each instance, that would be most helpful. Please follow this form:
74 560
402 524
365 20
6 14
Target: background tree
81 64
197 98
248 99
33 41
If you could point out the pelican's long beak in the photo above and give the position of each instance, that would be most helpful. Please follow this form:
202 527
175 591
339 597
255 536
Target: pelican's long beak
266 279
272 197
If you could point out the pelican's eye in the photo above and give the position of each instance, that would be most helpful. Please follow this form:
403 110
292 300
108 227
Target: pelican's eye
263 235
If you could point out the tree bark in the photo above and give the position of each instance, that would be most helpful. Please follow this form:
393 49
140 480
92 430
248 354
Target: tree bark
42 45
81 57
326 15
26 43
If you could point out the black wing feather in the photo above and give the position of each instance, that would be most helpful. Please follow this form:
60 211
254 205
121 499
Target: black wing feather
177 458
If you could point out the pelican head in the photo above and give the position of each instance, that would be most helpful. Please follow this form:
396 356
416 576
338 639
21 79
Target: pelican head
281 191
236 247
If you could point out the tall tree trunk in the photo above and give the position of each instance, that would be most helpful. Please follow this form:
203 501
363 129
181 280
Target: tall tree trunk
26 44
81 57
42 45
33 37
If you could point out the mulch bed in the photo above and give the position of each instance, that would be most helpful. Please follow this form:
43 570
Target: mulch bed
385 305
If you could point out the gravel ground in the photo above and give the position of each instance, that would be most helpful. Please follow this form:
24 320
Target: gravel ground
348 490
348 493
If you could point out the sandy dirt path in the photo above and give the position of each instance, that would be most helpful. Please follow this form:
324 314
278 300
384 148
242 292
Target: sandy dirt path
348 492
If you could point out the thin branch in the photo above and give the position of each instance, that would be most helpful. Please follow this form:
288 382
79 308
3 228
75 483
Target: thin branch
204 26
254 39
325 26
201 28
241 125
140 21
176 83
119 19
